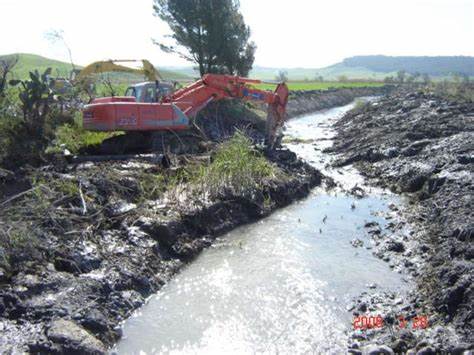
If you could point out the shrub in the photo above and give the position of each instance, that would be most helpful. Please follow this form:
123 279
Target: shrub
237 166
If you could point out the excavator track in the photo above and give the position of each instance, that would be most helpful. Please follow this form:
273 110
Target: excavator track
163 142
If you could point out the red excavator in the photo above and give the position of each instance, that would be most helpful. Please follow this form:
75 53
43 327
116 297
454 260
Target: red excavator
148 108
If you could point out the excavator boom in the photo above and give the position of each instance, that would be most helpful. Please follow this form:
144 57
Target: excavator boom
148 70
175 110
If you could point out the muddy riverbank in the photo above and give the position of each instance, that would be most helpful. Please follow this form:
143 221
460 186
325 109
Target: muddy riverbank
302 102
86 273
88 243
421 146
84 244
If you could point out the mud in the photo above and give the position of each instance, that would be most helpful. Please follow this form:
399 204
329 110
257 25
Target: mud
96 255
302 102
421 146
94 259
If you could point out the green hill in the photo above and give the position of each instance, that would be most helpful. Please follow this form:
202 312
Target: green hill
30 62
436 65
372 67
359 67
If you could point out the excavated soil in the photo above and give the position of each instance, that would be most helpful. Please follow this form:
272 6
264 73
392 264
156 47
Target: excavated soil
89 269
421 146
308 101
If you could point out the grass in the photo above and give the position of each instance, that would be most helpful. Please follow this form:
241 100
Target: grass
236 166
321 85
73 136
31 62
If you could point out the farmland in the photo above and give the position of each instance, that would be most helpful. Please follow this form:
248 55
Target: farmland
321 85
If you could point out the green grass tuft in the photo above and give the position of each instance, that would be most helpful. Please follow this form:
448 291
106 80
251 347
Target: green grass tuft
73 137
236 166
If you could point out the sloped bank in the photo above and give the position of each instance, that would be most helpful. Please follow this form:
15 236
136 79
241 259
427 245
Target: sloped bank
420 145
308 101
100 246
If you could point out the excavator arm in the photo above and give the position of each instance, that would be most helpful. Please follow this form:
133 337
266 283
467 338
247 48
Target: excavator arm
175 110
214 87
147 70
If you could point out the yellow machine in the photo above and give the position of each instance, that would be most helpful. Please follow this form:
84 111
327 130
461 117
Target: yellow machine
148 70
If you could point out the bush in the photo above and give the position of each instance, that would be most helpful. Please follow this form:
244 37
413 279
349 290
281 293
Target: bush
237 166
27 124
460 91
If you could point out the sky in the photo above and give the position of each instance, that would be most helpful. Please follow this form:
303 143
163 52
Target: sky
288 33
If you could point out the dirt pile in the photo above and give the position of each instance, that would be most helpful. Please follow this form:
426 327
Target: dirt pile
301 102
88 243
422 145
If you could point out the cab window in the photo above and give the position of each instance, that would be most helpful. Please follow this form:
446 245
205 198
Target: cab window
150 94
130 92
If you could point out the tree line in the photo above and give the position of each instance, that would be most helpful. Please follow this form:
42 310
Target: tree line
441 65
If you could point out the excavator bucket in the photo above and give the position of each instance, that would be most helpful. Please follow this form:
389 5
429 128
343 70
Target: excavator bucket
276 115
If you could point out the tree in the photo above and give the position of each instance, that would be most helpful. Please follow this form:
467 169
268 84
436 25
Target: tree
342 78
6 66
210 33
282 76
426 78
416 76
401 76
55 36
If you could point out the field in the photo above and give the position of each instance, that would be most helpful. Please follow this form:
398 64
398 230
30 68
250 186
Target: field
319 85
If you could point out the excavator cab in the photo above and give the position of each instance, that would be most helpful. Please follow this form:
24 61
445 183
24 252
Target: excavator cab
150 91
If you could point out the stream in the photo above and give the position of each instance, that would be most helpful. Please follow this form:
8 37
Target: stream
280 285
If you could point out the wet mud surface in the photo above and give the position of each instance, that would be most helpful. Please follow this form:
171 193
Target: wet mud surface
97 257
420 146
303 102
72 288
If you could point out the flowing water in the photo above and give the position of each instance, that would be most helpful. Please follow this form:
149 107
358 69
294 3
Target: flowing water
280 285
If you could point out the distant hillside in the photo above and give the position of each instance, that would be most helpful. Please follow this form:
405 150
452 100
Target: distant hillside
375 67
438 66
30 62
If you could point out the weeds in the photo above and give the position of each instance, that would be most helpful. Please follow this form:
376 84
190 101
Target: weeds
236 166
74 137
152 186
454 90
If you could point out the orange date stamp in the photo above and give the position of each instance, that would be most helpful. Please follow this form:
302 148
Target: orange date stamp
371 322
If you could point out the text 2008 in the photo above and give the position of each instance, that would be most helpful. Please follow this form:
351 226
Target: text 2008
369 322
